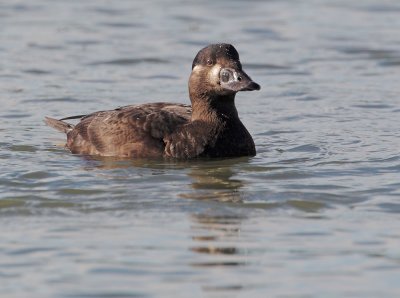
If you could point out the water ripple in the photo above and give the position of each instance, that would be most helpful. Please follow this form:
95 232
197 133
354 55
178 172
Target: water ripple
318 206
130 61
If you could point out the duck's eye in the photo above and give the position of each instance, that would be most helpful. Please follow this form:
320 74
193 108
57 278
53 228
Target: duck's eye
209 62
225 75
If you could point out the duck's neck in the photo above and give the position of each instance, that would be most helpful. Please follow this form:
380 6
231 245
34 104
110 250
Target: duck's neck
211 108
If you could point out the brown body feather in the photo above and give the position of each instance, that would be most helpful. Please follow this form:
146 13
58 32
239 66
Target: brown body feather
132 131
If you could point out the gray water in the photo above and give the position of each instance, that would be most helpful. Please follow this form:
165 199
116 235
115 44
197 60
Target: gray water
315 214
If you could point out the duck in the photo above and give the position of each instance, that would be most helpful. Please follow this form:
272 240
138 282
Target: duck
210 127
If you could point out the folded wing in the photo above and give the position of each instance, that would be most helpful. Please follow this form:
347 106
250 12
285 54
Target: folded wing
131 131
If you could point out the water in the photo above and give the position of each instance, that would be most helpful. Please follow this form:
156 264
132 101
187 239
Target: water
315 214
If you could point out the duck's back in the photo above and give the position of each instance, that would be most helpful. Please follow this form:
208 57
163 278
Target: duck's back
131 131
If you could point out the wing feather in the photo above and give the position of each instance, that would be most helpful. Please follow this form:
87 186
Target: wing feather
127 131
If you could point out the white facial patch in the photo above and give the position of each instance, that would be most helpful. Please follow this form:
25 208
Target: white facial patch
196 72
197 69
214 73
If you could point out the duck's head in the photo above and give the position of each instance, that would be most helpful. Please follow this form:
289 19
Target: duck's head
217 72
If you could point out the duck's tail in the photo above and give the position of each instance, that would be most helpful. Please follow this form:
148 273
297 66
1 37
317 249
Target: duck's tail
58 124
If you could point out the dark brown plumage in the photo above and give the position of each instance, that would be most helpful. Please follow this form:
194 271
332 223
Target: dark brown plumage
210 128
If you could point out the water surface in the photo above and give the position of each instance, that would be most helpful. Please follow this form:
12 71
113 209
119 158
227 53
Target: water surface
315 214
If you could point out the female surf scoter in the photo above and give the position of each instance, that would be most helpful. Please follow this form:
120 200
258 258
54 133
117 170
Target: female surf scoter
209 128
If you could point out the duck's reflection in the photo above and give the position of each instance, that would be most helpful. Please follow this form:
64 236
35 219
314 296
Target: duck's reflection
217 237
219 250
211 179
216 231
212 235
214 183
217 182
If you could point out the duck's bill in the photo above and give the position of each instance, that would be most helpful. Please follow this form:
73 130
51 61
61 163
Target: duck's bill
237 80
